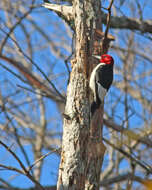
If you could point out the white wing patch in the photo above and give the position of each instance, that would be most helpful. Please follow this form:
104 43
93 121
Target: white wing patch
92 84
101 92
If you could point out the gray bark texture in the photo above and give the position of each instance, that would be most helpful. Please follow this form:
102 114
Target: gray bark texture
82 148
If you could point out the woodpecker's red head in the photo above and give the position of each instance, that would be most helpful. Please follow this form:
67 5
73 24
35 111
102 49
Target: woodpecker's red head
105 58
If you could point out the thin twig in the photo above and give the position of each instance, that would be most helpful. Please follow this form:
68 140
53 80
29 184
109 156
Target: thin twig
108 22
42 157
13 73
14 155
32 91
11 168
6 185
108 19
20 144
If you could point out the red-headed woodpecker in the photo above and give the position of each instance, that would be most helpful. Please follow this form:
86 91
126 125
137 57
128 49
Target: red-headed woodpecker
100 80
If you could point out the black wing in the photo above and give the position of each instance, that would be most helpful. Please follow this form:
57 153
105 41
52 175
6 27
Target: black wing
104 76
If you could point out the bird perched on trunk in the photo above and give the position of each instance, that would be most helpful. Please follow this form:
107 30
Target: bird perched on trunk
100 80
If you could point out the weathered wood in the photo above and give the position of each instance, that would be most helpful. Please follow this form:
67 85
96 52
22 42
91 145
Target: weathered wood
96 150
81 156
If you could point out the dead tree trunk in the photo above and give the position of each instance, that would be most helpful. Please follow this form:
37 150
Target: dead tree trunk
82 147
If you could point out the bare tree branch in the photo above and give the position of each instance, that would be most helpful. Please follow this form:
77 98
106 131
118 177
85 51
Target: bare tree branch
123 22
64 10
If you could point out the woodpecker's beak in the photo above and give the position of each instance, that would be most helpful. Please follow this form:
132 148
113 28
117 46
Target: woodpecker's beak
97 56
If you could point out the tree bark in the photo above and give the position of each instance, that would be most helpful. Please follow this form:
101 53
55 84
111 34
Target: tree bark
80 167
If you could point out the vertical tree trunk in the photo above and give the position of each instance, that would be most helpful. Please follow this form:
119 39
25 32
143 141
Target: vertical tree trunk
77 170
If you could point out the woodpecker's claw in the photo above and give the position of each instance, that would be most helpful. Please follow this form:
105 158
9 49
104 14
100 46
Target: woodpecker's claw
97 56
